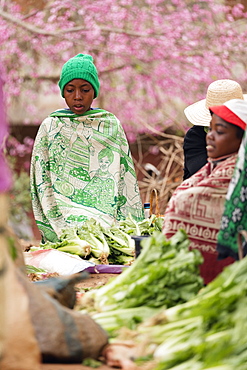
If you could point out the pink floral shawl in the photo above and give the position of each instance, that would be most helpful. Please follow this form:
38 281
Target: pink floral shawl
197 206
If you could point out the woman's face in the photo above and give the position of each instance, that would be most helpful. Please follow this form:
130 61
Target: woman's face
78 95
221 138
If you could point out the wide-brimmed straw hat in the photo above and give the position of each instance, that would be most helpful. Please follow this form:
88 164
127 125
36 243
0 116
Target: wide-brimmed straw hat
218 93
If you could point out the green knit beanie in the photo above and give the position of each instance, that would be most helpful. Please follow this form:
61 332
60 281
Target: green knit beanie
80 66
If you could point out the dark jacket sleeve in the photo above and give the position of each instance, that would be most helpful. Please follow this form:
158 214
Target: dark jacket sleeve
195 153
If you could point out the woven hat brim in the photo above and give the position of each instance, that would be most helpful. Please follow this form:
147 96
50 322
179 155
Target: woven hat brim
198 114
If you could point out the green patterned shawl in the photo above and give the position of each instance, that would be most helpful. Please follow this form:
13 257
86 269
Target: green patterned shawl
234 218
82 167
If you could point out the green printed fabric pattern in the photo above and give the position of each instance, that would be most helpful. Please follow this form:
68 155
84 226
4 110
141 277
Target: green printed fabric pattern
234 218
81 168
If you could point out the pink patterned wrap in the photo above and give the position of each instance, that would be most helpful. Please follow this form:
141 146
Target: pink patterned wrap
197 206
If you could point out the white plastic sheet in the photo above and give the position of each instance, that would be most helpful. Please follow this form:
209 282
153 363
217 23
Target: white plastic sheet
52 261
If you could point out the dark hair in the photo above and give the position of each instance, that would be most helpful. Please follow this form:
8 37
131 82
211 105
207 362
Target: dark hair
239 130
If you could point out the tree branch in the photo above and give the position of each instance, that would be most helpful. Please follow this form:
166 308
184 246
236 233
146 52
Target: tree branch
40 31
25 25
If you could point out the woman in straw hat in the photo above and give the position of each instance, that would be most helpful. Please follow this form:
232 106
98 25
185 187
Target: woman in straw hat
195 153
197 204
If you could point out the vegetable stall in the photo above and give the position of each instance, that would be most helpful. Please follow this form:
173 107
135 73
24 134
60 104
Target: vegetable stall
159 303
113 245
197 327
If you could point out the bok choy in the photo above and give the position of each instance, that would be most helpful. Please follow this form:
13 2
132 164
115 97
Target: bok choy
165 274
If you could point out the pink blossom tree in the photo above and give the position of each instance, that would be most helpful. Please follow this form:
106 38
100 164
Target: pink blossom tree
151 54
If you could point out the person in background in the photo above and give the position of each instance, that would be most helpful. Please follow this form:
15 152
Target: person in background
234 218
197 204
195 153
66 156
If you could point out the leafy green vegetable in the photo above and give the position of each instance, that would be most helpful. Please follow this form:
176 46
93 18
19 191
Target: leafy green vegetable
112 244
118 239
33 270
91 231
90 362
145 227
166 273
120 259
111 321
70 243
207 332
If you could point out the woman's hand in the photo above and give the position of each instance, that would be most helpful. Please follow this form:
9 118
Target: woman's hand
120 355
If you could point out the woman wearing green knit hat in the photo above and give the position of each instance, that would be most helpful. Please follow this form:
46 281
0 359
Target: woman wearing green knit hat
65 159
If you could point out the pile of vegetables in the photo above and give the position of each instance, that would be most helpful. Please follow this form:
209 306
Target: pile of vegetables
105 245
207 332
165 274
144 227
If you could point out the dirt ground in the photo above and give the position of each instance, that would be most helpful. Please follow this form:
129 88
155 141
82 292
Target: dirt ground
95 281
